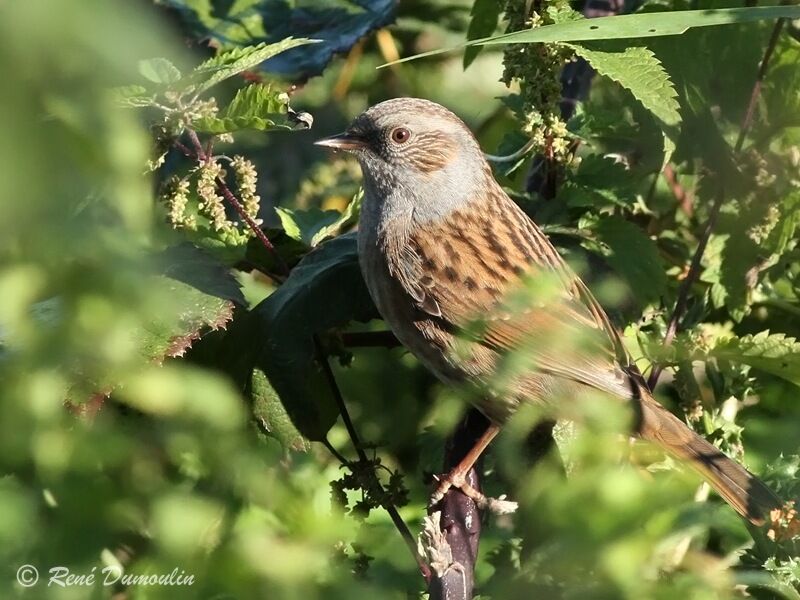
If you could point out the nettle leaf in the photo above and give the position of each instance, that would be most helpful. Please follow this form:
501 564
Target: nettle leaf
484 17
325 290
638 70
336 26
635 257
235 61
206 292
257 107
271 416
774 353
159 70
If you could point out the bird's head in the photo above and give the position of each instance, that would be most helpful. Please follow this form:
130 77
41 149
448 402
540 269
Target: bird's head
410 139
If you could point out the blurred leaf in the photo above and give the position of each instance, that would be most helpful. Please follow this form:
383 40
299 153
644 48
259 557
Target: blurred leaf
133 96
272 416
635 257
159 70
483 22
237 60
337 26
284 323
639 71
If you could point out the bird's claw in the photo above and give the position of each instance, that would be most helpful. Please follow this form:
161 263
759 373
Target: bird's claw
498 506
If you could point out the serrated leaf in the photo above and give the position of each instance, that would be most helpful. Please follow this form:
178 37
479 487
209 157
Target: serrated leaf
483 22
255 107
325 290
639 25
635 257
235 61
272 416
638 70
159 70
774 353
336 25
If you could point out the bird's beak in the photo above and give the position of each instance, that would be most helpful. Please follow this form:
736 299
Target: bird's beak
342 141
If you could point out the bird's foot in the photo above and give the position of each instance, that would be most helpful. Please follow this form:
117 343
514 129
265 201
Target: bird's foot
457 479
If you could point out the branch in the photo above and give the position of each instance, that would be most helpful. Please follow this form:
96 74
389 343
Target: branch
694 268
370 339
460 519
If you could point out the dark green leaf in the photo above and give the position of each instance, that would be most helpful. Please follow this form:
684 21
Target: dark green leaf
325 290
635 257
272 416
485 14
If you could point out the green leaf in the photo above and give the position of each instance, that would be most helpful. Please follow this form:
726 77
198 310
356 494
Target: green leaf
325 290
598 182
133 96
628 26
485 15
314 226
639 71
159 70
206 293
257 107
775 353
272 416
635 257
235 61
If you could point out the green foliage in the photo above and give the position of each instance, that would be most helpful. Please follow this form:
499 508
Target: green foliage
638 70
163 328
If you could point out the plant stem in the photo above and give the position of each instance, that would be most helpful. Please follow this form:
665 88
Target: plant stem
694 268
362 457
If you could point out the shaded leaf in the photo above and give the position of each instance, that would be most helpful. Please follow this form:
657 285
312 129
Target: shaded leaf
325 290
337 26
598 181
635 257
314 226
485 15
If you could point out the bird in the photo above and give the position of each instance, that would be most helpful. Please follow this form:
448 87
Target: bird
442 246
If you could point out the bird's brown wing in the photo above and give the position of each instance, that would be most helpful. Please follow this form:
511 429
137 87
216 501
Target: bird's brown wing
467 267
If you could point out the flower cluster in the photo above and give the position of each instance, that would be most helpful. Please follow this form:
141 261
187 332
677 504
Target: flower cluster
211 203
247 178
537 69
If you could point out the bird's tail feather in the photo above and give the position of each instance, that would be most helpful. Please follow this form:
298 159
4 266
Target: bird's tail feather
747 494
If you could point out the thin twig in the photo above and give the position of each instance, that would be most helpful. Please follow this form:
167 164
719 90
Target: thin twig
362 457
233 201
694 268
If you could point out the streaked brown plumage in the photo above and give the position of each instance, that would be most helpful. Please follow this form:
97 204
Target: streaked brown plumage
441 245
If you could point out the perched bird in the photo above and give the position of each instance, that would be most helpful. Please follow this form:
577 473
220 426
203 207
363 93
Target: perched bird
441 245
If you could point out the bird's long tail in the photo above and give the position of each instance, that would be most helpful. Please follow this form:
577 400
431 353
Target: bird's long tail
747 494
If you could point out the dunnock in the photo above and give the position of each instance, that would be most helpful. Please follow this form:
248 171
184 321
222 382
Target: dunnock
441 244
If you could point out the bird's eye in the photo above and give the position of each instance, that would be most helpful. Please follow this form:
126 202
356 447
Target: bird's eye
400 135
